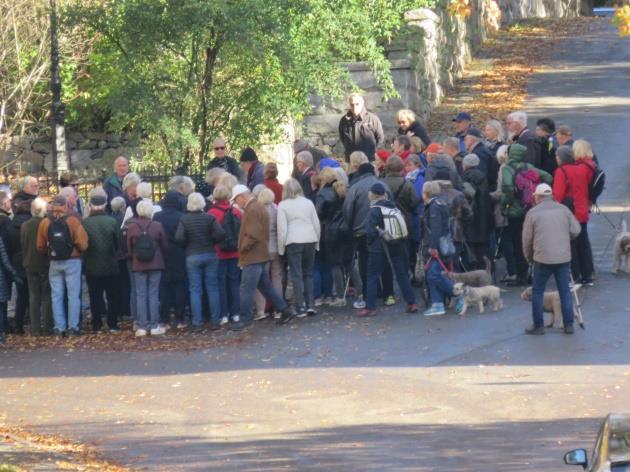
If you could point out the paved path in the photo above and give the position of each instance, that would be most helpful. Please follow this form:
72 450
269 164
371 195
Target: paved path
391 393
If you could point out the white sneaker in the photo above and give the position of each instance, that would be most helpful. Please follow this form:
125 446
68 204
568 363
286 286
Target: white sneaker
224 320
322 301
165 327
358 304
158 331
182 326
277 315
135 326
260 316
236 319
141 332
338 302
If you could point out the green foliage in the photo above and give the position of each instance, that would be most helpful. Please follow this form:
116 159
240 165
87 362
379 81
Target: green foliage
186 71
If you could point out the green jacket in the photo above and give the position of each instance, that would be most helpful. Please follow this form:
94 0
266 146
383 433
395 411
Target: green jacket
510 203
32 259
103 237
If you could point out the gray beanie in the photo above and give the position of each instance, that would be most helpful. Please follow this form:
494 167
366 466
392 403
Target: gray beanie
565 154
471 160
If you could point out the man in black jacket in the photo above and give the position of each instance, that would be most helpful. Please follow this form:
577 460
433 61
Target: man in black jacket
304 164
223 161
517 127
488 164
360 130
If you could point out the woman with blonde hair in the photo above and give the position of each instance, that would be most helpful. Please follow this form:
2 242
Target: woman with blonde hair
276 265
408 125
494 135
298 238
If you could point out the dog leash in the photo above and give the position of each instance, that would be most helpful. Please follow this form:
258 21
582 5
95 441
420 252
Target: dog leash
439 260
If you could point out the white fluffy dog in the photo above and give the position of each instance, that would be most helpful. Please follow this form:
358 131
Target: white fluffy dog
621 254
478 296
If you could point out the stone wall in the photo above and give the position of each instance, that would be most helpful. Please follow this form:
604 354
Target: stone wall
425 61
86 150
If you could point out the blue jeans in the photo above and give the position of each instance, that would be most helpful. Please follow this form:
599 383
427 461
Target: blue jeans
439 285
256 276
147 284
133 305
203 272
229 286
65 276
322 277
376 264
542 272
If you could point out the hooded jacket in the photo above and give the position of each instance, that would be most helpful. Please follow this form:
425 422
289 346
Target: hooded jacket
443 168
510 203
356 204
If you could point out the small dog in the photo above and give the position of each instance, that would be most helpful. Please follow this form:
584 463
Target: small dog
551 304
621 254
474 278
478 296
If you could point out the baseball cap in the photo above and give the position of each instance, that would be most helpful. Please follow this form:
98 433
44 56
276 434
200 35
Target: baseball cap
543 189
238 190
462 116
474 132
378 189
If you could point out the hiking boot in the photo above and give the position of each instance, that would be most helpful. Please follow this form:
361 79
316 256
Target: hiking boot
286 316
366 313
568 329
413 308
436 309
389 301
535 330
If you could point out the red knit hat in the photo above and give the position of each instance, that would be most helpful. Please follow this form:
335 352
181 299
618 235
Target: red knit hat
383 154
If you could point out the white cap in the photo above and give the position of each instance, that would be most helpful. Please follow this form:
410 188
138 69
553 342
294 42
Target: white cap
238 190
543 190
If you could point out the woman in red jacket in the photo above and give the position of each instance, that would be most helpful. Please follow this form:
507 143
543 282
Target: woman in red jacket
570 186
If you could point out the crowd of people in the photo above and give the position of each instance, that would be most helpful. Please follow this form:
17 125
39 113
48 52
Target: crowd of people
241 246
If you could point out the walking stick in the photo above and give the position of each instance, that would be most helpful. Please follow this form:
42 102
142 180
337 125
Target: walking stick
577 305
352 260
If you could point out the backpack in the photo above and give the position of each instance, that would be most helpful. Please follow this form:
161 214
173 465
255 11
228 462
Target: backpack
144 246
231 225
394 226
597 185
525 182
60 244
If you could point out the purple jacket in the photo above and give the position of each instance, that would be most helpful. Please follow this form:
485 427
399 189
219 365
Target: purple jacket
156 232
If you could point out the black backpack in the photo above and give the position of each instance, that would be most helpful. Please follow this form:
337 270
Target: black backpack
231 225
144 246
60 244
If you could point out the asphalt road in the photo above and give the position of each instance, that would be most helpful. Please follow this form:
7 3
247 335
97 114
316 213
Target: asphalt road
396 392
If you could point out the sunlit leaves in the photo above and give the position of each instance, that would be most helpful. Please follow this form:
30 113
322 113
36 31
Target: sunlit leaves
621 20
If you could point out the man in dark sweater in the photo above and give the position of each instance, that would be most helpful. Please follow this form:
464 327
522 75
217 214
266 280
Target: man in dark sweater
359 129
223 161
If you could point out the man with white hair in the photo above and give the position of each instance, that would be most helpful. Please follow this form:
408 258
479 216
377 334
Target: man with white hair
36 266
113 184
547 233
304 164
303 145
359 129
253 249
516 124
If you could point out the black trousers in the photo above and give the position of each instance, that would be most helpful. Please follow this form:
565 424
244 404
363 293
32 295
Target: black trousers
21 306
173 295
360 247
516 231
582 257
97 288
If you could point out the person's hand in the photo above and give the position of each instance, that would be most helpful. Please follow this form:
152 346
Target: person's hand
433 252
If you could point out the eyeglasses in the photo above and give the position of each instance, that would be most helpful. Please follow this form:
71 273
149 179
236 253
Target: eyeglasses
219 148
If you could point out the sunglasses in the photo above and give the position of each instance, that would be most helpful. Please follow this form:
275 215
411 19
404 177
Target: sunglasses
219 148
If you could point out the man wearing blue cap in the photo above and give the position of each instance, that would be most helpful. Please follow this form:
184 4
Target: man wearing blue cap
463 124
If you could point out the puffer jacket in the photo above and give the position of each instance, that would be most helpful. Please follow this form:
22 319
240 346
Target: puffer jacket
573 180
404 197
435 223
510 203
458 207
478 229
356 204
